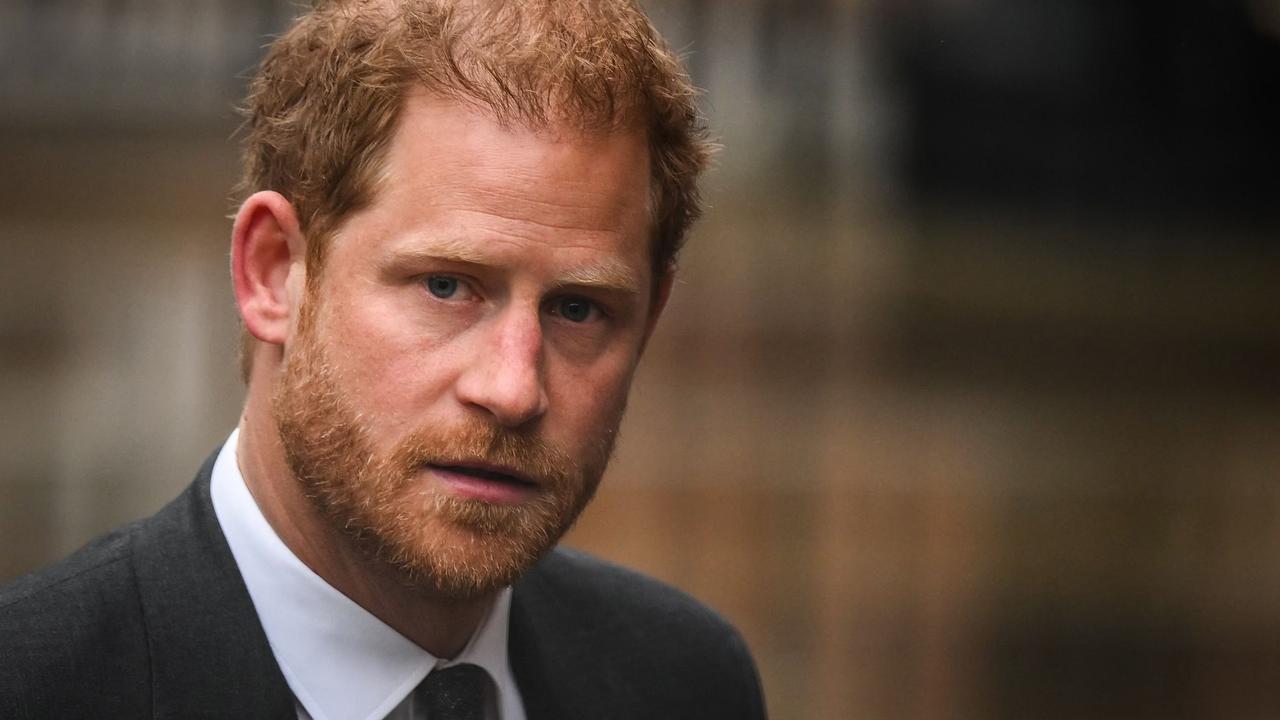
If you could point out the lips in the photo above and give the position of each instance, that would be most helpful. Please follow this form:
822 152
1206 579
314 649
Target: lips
485 473
484 482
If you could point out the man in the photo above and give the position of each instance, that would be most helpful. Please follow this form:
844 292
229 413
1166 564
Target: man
459 232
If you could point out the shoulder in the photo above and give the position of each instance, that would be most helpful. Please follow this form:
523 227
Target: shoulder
78 618
96 582
611 594
693 662
102 558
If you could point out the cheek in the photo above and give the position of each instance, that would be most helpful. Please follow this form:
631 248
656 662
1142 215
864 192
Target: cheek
590 399
394 372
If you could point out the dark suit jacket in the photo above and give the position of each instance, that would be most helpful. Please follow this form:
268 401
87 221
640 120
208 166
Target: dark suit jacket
153 621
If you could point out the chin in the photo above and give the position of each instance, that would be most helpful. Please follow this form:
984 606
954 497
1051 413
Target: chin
460 550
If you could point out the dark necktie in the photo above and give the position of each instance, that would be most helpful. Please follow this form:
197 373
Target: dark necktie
454 693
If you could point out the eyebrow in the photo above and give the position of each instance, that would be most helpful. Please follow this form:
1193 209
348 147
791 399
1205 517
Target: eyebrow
608 275
447 250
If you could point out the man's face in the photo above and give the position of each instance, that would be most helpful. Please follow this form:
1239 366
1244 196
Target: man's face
455 379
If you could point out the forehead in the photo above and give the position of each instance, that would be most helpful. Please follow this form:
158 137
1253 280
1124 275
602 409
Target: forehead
445 156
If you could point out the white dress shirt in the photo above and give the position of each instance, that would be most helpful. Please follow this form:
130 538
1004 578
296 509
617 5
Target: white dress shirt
341 662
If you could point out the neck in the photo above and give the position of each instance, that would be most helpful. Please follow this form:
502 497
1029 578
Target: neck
440 626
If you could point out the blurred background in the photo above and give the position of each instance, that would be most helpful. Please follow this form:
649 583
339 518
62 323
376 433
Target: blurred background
966 406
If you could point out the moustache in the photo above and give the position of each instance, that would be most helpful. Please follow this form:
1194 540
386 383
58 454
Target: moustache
477 444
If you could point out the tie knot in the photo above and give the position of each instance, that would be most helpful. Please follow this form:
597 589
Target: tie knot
454 693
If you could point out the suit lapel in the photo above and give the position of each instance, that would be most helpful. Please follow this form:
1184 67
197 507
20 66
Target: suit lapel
532 649
209 654
561 663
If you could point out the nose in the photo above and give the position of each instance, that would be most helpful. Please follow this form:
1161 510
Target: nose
505 376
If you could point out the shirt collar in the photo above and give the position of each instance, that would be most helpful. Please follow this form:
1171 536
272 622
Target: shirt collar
339 660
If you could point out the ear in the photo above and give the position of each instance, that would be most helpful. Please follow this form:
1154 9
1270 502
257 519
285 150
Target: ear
267 247
661 293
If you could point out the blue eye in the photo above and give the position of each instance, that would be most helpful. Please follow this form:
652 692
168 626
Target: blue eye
574 309
442 286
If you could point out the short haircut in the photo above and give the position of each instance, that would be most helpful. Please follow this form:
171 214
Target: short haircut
325 101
